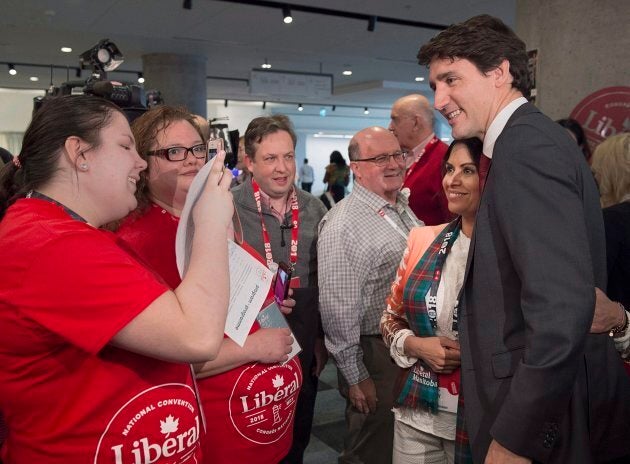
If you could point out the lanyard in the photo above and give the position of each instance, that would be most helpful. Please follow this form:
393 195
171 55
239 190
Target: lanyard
426 148
41 196
390 221
449 238
294 226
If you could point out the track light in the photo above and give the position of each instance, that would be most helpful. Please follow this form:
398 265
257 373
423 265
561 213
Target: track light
264 105
300 107
265 65
366 110
77 73
12 70
334 107
371 23
140 78
286 15
225 103
187 5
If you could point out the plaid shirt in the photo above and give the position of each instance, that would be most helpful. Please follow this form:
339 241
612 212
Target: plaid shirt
358 254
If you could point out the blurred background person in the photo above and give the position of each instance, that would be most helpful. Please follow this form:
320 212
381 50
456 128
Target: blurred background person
611 167
412 123
5 156
307 176
95 337
577 133
174 149
423 342
337 176
241 174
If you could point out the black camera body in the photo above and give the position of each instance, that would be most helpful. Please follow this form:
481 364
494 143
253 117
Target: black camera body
130 98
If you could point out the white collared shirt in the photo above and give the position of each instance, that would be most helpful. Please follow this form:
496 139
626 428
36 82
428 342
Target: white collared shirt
498 124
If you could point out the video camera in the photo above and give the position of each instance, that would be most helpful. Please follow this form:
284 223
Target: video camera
103 57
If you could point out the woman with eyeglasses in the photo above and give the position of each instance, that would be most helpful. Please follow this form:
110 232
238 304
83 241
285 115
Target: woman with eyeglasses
174 149
93 347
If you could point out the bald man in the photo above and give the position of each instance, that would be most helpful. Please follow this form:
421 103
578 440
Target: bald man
412 124
361 242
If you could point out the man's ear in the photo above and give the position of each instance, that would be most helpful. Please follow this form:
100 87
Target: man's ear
248 163
356 169
502 75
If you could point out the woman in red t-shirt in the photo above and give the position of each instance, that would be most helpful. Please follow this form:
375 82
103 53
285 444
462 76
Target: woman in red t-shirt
94 347
248 399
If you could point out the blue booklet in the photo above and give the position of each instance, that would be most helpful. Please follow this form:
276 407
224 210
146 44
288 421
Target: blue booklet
271 317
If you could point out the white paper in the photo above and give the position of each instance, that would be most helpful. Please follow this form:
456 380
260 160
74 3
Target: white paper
249 278
249 284
447 401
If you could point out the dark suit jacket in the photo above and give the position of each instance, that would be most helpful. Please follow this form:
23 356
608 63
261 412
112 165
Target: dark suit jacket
533 378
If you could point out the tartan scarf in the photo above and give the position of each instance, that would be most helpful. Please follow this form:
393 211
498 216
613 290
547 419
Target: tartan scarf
421 385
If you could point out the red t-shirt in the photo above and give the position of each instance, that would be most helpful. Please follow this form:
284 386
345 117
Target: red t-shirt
152 237
427 199
68 396
250 409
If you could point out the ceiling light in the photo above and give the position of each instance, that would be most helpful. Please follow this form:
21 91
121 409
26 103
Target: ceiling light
371 23
34 78
12 70
66 49
366 110
346 70
300 107
265 65
286 15
419 79
140 78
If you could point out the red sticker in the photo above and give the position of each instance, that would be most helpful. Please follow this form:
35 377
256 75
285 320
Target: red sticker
161 422
262 403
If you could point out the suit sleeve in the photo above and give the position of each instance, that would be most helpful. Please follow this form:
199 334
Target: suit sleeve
536 201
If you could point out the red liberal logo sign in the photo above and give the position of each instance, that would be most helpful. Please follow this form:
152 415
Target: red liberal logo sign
604 113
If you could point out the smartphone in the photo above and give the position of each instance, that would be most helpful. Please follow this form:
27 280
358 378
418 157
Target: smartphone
214 145
283 281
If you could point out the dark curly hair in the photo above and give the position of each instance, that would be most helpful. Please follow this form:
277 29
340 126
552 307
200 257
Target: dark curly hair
485 41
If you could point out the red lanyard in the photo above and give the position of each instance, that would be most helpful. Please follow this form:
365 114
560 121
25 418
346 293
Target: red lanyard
294 227
426 148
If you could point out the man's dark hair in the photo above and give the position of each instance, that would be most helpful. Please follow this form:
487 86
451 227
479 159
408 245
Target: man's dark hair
260 127
485 41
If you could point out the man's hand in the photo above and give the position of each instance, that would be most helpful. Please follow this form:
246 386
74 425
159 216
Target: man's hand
608 314
286 307
441 354
363 396
497 454
321 356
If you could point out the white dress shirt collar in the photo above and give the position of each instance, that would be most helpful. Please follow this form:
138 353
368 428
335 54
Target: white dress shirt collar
498 124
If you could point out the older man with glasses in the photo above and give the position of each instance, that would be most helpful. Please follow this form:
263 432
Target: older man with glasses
360 245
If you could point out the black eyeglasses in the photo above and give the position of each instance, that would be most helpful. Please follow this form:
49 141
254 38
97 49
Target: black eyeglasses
383 160
180 153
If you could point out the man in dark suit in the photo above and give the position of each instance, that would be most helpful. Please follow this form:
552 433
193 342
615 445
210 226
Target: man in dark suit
537 386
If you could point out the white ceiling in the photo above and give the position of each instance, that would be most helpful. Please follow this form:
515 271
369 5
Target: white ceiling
236 38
